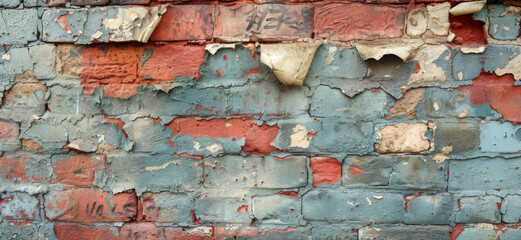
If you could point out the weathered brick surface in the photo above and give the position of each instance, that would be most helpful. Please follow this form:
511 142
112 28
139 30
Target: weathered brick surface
140 119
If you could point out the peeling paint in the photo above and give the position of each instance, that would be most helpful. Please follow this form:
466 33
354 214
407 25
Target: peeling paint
135 23
376 49
467 8
289 62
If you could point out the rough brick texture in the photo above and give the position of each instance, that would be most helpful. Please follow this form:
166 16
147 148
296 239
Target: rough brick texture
267 119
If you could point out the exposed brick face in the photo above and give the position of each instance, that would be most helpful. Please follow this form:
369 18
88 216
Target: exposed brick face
344 22
299 119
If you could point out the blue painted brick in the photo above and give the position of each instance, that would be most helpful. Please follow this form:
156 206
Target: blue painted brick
230 67
332 61
375 170
444 103
511 209
497 137
152 173
49 136
223 209
20 26
255 172
149 136
461 138
206 146
167 207
479 209
277 209
473 233
430 209
328 102
504 25
70 100
53 32
19 207
267 97
484 174
325 136
405 233
334 232
419 172
353 207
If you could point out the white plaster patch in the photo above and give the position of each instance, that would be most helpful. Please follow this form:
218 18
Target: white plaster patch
214 148
299 138
6 56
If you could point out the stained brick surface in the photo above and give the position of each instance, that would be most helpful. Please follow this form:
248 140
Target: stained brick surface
366 119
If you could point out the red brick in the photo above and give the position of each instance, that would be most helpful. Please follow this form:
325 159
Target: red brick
171 60
131 2
497 91
13 168
325 170
118 70
109 64
467 30
263 22
185 22
88 205
197 233
84 232
9 130
339 21
139 231
89 2
258 138
78 170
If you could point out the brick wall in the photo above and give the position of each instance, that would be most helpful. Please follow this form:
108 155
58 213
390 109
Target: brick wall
268 119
